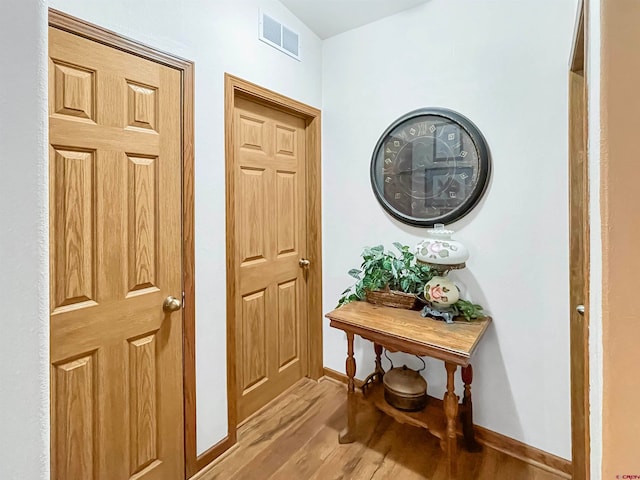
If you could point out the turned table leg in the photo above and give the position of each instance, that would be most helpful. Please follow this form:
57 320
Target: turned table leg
378 349
348 434
451 413
467 411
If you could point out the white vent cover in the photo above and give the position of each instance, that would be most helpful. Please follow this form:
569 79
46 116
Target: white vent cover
279 36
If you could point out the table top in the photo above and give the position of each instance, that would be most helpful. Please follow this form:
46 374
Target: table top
407 331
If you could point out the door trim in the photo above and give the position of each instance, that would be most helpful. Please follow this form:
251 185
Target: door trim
578 195
235 87
76 26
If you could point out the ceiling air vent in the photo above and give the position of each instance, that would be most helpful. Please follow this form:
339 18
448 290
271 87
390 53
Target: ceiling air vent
279 36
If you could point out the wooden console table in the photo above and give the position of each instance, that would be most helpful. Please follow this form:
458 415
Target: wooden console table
407 331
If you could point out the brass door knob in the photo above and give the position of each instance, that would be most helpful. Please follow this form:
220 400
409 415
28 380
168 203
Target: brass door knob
171 304
304 263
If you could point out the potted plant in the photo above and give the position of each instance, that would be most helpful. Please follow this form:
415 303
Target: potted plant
397 280
387 278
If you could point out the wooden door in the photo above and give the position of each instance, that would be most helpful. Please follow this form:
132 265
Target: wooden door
270 240
579 296
115 255
579 255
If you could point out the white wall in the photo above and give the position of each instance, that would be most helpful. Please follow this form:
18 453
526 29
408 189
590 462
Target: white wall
504 65
24 253
220 36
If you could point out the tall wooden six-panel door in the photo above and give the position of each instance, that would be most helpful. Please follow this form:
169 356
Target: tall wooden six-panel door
115 257
270 241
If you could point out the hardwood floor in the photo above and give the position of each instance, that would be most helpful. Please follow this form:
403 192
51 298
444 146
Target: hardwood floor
296 438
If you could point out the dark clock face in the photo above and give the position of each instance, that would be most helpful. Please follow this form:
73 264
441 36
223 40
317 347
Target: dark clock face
430 166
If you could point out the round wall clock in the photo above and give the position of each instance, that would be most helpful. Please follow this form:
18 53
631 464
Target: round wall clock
430 166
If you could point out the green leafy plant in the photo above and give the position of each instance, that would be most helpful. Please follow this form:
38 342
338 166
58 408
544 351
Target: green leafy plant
382 269
468 310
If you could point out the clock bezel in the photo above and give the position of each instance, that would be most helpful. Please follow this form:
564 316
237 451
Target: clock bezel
484 166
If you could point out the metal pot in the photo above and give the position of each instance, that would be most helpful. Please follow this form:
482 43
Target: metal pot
404 388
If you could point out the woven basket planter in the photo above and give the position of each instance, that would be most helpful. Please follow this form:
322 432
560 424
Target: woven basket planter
392 298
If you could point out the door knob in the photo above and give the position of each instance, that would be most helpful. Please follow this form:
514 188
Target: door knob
171 304
580 309
304 263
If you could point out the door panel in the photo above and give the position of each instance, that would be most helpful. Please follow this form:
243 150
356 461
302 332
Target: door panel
270 236
74 400
74 262
115 247
288 338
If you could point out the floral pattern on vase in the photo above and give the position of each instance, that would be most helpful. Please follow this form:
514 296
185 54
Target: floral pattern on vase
441 291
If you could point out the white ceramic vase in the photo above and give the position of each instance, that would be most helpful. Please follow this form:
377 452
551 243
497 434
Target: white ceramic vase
440 249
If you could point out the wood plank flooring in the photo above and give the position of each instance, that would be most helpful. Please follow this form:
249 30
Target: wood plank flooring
296 438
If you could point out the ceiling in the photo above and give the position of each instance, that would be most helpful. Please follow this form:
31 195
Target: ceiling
331 17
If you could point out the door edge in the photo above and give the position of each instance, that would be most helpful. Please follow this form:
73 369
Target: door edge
579 335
